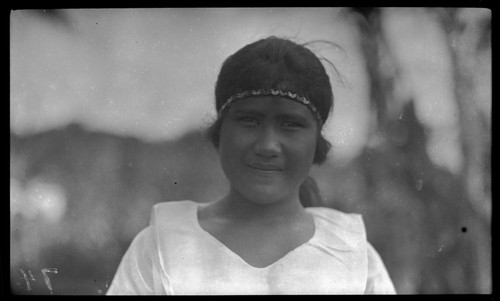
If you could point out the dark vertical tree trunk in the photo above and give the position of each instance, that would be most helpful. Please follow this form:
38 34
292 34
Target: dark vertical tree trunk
466 41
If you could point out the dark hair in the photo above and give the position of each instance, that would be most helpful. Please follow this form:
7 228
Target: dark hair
277 63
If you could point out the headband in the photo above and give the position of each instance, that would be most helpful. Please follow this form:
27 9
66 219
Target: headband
292 96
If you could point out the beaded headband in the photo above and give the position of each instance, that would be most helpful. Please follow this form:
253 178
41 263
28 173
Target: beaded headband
292 96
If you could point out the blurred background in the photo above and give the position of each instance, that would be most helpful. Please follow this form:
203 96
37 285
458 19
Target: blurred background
108 110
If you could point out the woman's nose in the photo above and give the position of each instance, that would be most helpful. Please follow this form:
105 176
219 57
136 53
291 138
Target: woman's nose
268 144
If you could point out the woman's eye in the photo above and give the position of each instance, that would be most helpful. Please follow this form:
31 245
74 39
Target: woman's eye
247 120
290 124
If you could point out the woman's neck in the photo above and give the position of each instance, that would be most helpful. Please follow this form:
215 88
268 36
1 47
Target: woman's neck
236 207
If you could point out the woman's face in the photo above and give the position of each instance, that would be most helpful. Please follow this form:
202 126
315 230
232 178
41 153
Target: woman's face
267 147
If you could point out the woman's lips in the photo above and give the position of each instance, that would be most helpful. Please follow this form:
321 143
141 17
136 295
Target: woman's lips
265 167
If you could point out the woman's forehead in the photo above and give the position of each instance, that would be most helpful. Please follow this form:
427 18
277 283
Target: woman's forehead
274 104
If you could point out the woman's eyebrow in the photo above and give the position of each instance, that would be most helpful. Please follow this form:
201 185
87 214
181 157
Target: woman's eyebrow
286 115
295 116
248 112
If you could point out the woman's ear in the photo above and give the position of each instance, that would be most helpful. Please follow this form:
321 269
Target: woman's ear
322 148
213 132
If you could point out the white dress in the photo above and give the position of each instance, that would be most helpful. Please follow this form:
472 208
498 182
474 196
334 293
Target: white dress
174 255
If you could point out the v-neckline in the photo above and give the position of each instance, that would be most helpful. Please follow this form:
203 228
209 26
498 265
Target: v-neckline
228 250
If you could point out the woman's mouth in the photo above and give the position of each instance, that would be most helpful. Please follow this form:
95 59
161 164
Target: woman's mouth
265 167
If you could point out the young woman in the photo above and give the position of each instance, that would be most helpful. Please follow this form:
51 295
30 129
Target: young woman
265 236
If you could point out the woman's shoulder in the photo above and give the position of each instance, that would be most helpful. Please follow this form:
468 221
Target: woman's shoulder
174 216
338 229
172 209
350 221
